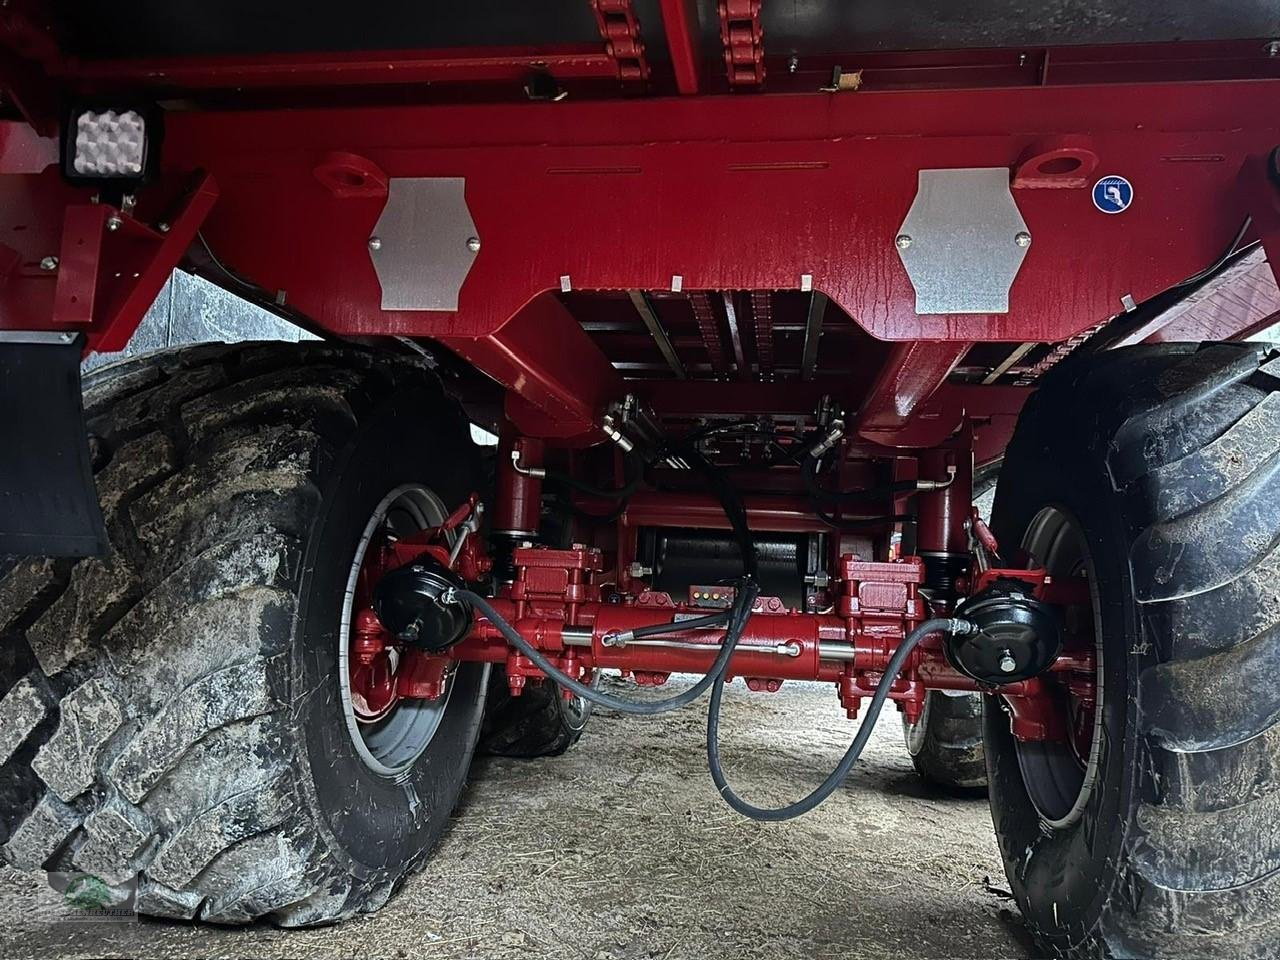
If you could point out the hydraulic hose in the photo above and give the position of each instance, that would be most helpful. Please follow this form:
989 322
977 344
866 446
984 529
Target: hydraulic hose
859 523
809 473
747 591
633 470
738 615
838 775
730 501
676 626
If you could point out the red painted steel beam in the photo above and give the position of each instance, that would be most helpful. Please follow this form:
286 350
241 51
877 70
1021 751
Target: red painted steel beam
105 278
881 70
1146 63
137 260
680 21
909 378
458 65
1235 304
558 378
28 53
782 514
22 150
605 192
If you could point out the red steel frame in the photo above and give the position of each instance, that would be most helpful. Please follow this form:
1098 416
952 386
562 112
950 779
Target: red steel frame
791 191
820 195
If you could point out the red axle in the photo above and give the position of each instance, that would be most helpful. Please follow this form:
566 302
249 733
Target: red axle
555 606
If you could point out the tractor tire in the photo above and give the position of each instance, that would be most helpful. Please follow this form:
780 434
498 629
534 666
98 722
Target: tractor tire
171 719
945 744
1154 473
538 723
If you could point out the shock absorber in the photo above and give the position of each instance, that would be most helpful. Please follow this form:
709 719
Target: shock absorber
518 506
946 489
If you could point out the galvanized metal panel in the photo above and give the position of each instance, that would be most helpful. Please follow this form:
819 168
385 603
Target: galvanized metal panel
424 243
963 241
192 310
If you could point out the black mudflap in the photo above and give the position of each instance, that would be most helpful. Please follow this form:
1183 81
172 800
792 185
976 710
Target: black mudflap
48 502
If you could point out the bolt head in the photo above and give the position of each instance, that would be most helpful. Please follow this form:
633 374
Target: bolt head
1273 48
1007 663
375 243
473 244
1022 238
903 241
114 223
49 263
162 227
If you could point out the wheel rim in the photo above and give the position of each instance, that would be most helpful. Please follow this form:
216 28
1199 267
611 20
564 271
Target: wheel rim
1061 776
915 732
389 740
575 712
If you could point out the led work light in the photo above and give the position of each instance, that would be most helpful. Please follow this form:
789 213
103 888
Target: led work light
110 146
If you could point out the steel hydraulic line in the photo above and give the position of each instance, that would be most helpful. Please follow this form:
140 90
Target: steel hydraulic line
746 597
739 614
714 678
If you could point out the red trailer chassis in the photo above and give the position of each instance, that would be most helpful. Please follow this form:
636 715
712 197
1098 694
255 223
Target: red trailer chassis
541 178
801 192
694 198
558 603
753 295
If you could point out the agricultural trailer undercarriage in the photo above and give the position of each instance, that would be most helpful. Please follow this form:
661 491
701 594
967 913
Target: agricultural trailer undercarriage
749 358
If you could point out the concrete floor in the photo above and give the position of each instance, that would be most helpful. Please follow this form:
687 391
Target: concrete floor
622 850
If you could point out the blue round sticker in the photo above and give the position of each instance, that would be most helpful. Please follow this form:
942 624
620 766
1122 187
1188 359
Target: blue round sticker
1112 194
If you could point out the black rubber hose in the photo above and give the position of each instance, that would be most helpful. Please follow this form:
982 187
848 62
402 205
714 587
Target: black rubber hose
676 626
711 429
633 469
730 501
1218 264
859 523
838 775
745 599
809 473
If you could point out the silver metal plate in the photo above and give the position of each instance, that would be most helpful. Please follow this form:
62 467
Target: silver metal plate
963 241
424 243
191 310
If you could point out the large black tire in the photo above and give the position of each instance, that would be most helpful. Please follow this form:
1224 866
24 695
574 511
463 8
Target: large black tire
1166 463
538 723
171 711
945 744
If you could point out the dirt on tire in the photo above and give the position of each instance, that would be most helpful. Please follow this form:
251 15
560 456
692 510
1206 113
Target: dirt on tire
148 725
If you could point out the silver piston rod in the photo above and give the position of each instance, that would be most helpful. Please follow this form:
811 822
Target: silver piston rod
834 652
